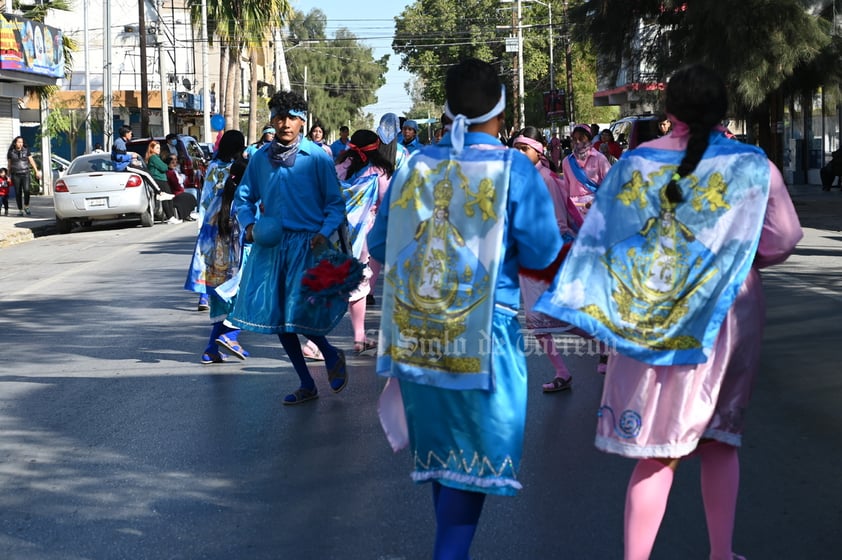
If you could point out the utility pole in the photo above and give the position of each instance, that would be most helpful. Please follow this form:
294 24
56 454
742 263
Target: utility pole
205 76
88 136
162 71
144 88
107 99
568 61
520 93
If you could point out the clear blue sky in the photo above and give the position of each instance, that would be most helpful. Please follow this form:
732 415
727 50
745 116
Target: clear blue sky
373 24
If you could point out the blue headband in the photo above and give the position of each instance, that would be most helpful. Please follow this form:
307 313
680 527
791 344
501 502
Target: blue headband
291 112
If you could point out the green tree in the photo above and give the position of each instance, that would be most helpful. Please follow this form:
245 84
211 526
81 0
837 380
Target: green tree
342 75
241 26
765 49
432 35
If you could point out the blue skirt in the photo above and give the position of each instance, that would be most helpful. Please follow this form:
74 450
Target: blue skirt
473 440
270 300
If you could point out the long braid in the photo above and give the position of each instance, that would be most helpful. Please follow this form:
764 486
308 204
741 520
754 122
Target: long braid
695 95
228 191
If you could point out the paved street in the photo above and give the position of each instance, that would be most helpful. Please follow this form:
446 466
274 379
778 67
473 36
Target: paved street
117 443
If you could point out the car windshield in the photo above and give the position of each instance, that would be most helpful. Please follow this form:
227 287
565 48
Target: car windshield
96 163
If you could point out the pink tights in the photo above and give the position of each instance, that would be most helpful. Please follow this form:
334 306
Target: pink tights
357 311
720 484
548 347
649 488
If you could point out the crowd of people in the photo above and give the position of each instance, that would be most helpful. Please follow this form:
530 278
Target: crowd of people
621 248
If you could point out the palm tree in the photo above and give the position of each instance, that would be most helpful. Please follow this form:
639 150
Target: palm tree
241 26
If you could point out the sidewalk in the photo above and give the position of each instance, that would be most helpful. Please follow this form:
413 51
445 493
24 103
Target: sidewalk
17 229
816 208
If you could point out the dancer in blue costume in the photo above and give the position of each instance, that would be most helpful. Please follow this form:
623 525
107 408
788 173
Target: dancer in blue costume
294 183
218 256
457 222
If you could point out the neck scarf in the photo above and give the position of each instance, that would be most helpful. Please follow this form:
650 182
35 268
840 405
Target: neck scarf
461 123
284 155
581 149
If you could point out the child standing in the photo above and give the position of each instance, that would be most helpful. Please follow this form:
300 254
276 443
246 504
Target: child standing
4 191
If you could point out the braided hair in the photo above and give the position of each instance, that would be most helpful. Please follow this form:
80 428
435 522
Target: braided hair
696 95
228 190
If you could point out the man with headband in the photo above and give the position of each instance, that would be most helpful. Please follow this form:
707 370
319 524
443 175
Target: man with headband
294 184
458 220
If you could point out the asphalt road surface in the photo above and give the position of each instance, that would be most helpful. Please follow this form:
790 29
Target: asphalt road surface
116 443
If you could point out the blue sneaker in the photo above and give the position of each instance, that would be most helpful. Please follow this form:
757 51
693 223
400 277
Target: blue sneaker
204 304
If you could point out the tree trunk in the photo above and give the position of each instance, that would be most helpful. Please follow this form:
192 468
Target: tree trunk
238 94
222 94
232 100
253 97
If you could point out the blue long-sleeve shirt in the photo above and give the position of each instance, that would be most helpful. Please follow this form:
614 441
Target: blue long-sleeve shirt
305 197
120 155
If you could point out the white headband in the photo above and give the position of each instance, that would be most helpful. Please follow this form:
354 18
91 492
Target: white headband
461 122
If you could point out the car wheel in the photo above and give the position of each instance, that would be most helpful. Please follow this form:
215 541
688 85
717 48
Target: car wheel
147 219
63 226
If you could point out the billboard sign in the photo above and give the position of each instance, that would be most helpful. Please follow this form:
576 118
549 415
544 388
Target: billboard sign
30 46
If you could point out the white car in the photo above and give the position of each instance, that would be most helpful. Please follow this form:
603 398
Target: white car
92 190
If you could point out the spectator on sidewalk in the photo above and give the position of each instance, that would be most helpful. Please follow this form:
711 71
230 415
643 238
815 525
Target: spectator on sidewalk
119 154
832 171
4 191
183 200
158 170
21 163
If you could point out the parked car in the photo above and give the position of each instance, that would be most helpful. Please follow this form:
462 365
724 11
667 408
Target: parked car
207 149
632 131
92 190
59 167
187 145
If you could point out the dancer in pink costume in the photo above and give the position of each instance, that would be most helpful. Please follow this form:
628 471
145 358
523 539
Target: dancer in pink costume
365 157
693 193
530 141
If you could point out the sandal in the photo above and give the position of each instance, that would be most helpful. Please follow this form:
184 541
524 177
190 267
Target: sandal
210 358
365 348
232 346
602 366
557 384
301 395
338 374
312 352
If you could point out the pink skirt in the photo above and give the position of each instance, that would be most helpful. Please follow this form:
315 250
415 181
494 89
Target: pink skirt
663 411
531 289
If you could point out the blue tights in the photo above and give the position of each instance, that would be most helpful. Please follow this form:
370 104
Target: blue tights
293 349
457 515
218 329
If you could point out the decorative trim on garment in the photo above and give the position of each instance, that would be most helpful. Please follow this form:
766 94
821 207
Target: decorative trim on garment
671 450
479 471
730 438
627 425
